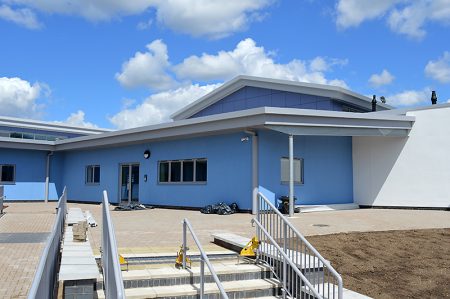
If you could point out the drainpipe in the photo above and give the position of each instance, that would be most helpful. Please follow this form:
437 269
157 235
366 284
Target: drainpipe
255 182
47 176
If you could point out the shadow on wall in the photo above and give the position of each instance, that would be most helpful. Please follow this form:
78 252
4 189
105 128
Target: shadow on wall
374 159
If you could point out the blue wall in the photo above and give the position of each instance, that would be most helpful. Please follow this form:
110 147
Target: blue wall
328 173
30 175
253 97
229 172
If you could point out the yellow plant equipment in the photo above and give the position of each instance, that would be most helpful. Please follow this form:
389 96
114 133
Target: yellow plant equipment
250 249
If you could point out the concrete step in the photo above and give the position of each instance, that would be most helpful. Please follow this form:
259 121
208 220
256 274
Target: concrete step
255 288
324 208
170 276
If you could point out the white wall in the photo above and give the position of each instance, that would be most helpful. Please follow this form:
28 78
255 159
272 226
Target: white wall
412 171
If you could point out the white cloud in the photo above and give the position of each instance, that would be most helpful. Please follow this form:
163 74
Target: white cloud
249 59
147 69
145 25
409 97
211 18
351 13
158 107
439 69
19 97
77 119
384 78
406 17
23 17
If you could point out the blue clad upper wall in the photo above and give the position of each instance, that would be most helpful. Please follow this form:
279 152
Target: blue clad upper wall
328 172
30 175
229 172
252 97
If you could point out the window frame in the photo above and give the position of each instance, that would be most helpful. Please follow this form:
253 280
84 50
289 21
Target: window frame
13 182
301 182
182 182
93 167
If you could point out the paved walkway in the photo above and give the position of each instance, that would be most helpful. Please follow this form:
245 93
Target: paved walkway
23 232
160 230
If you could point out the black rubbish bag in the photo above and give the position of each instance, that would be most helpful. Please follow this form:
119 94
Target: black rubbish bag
220 209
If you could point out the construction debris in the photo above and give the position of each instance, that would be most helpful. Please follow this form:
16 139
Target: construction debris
80 231
220 209
132 207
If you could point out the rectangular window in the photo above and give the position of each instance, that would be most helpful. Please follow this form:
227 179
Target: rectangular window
93 174
183 171
298 170
7 173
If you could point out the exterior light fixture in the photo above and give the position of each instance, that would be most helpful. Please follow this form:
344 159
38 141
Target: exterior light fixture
147 154
244 139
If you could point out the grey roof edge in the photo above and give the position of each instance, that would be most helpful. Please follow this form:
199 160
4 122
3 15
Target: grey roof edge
403 111
213 124
49 126
287 85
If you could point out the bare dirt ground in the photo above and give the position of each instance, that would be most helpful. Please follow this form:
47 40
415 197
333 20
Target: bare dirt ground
391 264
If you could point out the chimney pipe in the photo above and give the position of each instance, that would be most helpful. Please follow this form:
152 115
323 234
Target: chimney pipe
433 98
374 103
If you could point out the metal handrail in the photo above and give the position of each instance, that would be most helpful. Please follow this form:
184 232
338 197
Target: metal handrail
112 275
287 260
2 197
204 260
44 281
299 250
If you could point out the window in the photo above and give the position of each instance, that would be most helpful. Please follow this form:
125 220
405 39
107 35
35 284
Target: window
93 174
298 170
183 171
7 173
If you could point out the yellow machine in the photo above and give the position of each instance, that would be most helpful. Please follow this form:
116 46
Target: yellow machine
122 261
250 249
179 260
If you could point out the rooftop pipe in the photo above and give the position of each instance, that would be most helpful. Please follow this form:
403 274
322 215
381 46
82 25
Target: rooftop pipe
374 103
433 98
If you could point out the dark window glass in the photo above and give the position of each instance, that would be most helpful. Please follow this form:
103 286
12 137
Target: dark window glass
28 136
200 171
92 174
7 174
96 174
164 172
175 171
15 135
40 137
188 171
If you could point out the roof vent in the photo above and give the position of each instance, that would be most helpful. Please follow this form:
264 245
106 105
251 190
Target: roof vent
433 98
374 103
383 99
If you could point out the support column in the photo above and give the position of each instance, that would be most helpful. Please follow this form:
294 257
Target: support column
255 173
291 175
47 176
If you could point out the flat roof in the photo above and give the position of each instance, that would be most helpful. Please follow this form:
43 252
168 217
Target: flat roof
285 120
334 92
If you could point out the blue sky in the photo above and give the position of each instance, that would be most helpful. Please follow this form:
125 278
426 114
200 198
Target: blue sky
121 63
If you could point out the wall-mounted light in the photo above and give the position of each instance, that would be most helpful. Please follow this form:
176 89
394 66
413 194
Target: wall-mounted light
244 139
147 154
145 178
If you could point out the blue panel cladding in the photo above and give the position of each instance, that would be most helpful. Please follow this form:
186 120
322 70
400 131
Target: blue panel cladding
229 172
328 172
30 175
253 97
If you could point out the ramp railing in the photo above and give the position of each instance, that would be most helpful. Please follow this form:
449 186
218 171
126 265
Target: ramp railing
203 260
319 279
112 275
44 281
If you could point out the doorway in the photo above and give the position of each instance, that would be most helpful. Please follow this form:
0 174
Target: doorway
129 183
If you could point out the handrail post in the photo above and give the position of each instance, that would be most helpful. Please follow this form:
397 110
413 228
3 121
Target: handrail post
202 278
284 260
184 244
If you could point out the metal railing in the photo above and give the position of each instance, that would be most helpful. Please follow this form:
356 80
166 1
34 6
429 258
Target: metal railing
44 281
112 275
275 231
203 260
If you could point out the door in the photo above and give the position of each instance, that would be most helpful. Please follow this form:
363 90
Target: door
129 183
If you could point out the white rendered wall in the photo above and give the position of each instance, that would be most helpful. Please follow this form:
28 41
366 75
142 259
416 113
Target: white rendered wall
412 171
